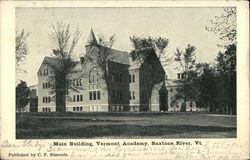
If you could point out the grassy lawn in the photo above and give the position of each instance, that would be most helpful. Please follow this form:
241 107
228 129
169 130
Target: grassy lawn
123 125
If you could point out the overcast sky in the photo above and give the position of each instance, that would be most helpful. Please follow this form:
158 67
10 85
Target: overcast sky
181 26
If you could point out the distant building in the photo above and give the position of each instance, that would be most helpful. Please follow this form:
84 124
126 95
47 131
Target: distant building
32 106
88 91
174 104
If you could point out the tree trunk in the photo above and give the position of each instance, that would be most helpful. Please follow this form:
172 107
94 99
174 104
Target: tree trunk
60 93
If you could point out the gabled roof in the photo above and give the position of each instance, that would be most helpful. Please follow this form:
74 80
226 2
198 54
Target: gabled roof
118 56
52 61
173 82
91 39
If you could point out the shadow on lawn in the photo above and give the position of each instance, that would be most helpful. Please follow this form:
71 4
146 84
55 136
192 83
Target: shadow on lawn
117 131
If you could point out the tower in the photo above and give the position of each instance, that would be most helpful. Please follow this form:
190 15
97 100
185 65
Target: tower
91 41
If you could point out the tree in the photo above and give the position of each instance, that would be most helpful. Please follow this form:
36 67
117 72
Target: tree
225 25
22 96
64 51
21 51
153 49
186 60
208 82
105 44
226 66
21 47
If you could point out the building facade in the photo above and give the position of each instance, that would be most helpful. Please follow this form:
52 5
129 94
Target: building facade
88 90
175 105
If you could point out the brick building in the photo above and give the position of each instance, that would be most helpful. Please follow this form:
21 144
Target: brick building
88 91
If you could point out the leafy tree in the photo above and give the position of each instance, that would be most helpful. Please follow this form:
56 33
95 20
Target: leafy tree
186 60
224 25
154 50
22 96
64 52
226 66
208 83
105 44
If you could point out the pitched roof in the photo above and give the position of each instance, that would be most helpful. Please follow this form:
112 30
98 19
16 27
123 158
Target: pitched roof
173 82
52 61
91 39
119 56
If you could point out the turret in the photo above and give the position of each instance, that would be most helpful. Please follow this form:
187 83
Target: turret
91 41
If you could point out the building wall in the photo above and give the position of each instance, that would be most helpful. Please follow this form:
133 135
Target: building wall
83 75
119 86
46 75
157 77
134 90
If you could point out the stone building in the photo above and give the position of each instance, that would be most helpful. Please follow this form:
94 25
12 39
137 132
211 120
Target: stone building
88 91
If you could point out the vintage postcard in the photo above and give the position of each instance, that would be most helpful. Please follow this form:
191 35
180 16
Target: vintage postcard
124 80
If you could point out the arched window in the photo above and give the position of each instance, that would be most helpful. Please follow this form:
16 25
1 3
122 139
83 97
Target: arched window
93 75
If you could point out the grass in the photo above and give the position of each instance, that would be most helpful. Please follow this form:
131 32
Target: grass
123 125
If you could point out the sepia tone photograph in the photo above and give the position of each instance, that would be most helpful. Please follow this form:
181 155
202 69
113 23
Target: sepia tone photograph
125 72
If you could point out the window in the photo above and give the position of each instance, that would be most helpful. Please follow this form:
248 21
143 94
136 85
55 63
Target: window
80 108
77 98
74 108
129 78
90 95
94 95
45 72
46 99
49 99
179 75
133 78
43 99
171 90
133 94
77 108
98 95
80 97
93 75
183 75
74 98
48 84
43 85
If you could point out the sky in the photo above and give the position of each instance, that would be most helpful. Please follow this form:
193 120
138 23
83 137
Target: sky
182 26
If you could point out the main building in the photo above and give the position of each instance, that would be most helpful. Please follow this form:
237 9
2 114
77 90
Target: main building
88 91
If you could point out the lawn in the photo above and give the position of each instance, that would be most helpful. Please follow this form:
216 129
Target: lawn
124 125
